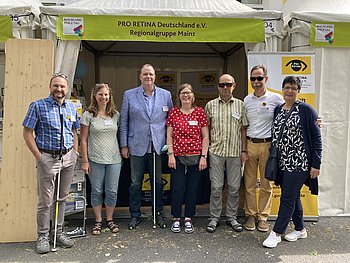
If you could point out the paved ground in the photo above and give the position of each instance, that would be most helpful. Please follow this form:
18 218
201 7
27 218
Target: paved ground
328 241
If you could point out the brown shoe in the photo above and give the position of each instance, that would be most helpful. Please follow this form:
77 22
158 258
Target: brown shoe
263 226
250 224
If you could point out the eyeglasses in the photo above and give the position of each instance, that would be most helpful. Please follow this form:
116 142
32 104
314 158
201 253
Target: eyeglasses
259 78
185 93
291 88
54 75
222 85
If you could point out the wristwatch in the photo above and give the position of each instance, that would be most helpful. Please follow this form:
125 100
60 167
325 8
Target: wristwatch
204 155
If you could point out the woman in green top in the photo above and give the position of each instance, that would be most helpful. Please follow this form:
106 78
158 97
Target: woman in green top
101 155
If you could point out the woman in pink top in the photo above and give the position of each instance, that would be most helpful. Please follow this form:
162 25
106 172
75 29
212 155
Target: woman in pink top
188 141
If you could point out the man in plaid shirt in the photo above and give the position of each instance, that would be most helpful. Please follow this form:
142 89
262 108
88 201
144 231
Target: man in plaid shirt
43 119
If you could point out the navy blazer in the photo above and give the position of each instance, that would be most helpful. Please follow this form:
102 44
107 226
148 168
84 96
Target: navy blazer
312 141
137 127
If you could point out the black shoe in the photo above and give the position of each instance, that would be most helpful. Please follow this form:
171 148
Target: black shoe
134 223
160 220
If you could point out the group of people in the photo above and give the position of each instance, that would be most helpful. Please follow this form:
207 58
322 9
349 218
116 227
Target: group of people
224 135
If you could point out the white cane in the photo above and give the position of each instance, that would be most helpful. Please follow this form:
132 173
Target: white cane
154 189
54 249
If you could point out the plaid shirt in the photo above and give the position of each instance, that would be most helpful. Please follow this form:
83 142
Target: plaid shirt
225 123
43 117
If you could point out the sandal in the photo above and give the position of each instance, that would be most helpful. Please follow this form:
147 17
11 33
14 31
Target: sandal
235 225
211 227
96 229
112 226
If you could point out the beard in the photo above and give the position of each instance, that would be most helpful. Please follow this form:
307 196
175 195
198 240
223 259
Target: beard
58 96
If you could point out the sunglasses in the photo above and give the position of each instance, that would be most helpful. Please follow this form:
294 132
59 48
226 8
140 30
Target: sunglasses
59 75
259 78
222 85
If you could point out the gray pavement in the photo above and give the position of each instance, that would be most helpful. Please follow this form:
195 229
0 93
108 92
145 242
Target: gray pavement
328 241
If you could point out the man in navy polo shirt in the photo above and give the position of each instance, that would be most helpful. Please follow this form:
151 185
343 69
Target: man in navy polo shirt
43 118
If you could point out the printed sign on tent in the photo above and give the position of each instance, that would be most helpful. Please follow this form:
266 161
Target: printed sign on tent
329 34
160 29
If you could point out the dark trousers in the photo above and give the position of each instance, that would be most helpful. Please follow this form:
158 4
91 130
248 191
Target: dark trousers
184 187
138 165
290 204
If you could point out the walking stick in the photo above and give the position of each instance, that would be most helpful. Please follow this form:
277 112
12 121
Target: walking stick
54 249
154 189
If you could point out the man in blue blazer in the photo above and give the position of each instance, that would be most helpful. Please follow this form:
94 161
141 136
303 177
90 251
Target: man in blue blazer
142 130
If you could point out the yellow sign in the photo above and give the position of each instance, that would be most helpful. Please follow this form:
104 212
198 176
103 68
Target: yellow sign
146 185
296 65
208 78
166 79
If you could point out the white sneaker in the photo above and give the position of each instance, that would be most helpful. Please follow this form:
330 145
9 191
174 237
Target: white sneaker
272 240
295 235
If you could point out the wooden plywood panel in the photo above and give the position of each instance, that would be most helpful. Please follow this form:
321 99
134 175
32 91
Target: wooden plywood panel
28 68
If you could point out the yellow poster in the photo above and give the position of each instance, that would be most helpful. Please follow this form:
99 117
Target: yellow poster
146 185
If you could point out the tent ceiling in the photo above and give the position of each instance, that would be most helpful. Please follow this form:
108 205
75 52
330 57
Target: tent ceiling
151 7
20 7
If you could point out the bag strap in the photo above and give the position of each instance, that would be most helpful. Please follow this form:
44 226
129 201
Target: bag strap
285 120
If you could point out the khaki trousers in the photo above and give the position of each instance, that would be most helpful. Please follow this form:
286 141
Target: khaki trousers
47 171
258 155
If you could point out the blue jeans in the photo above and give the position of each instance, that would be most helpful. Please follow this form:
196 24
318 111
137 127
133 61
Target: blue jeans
184 188
290 204
104 176
138 165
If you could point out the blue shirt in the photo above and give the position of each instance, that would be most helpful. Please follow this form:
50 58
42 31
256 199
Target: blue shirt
43 117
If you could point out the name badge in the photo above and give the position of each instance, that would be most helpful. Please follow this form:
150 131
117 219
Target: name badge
108 122
236 115
165 108
72 118
193 123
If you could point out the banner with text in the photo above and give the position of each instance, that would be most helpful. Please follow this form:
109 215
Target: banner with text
330 34
5 28
160 29
282 64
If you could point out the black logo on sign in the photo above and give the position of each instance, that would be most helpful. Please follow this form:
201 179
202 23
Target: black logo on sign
166 78
297 65
208 78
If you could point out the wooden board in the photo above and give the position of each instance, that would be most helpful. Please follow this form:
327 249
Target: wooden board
28 68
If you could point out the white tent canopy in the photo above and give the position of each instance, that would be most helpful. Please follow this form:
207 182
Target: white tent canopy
25 16
68 50
329 6
332 66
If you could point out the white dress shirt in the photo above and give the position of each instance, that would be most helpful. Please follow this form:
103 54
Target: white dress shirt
260 113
